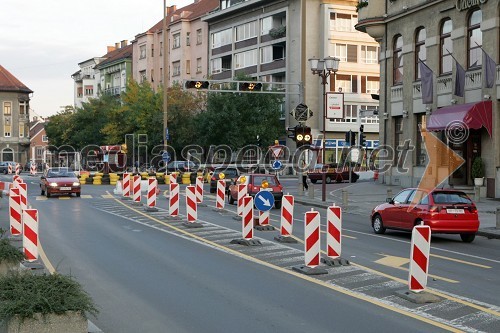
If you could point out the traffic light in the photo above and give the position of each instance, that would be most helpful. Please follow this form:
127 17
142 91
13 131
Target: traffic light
348 137
353 138
250 86
197 84
303 135
291 132
307 135
362 136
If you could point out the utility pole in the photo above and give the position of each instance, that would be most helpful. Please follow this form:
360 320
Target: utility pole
165 75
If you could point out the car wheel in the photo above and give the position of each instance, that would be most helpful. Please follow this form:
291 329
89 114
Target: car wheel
313 181
339 179
467 238
378 225
231 200
77 194
328 180
277 204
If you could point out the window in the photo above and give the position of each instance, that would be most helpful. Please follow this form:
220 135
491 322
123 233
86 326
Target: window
161 48
474 39
188 41
266 54
199 37
420 51
152 50
369 54
346 83
221 38
198 65
39 152
152 75
176 68
402 196
370 84
6 130
45 138
188 66
419 145
216 65
445 65
89 90
246 31
350 114
7 108
245 59
343 22
142 75
398 137
21 130
346 52
23 107
397 60
369 119
79 92
142 52
177 40
266 24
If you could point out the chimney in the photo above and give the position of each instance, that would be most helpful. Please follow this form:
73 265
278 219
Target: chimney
111 48
117 46
171 9
124 43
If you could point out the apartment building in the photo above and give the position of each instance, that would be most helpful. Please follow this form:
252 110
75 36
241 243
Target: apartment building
14 101
85 86
458 41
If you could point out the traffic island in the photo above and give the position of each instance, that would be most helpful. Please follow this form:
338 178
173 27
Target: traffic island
337 262
246 242
285 239
310 270
418 298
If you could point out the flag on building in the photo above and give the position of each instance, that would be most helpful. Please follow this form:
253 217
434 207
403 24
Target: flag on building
490 68
459 80
426 78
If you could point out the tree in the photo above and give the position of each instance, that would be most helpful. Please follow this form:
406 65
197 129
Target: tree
236 119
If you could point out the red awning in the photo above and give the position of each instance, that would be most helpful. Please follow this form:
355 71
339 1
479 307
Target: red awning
473 115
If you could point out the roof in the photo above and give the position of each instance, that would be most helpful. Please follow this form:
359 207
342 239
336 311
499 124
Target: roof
118 54
9 82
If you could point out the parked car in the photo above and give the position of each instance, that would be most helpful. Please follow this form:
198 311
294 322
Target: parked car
4 166
59 180
182 166
444 210
254 183
333 174
231 174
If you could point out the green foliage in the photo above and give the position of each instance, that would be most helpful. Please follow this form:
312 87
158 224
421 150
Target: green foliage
8 252
361 4
278 32
236 119
477 168
24 294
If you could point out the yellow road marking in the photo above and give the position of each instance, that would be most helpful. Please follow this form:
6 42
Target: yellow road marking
397 262
64 198
86 196
40 197
45 260
460 261
107 196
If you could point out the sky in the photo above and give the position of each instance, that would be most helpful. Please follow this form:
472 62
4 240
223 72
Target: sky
42 41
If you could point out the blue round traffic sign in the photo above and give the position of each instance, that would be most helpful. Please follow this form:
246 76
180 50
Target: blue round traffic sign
165 157
264 200
277 165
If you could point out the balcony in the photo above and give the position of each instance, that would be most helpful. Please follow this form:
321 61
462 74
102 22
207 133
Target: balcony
113 91
371 18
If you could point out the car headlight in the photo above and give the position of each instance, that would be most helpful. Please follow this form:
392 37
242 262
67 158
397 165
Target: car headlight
53 184
76 184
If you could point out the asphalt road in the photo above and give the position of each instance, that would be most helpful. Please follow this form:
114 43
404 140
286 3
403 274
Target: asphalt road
150 274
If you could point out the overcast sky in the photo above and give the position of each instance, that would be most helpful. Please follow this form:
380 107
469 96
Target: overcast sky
42 41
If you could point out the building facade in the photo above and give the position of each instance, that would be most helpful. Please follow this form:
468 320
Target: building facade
458 41
85 86
14 121
38 142
113 72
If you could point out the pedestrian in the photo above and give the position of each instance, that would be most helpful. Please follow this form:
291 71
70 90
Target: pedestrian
304 176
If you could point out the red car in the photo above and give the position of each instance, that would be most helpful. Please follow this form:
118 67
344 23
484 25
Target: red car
255 184
444 210
59 181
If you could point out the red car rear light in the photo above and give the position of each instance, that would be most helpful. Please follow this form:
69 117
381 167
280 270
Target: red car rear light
434 209
473 209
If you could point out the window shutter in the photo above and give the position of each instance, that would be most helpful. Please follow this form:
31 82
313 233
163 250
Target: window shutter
352 53
354 83
363 84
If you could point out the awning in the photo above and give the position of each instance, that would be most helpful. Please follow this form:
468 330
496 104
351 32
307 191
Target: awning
472 115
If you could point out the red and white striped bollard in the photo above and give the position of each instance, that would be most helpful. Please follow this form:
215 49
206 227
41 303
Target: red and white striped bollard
247 217
191 208
221 193
334 232
286 220
30 234
23 192
199 190
242 192
18 168
173 208
33 169
419 258
136 188
151 199
172 178
16 224
9 169
263 218
126 185
312 244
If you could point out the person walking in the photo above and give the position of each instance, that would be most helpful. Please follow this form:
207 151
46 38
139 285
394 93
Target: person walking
304 176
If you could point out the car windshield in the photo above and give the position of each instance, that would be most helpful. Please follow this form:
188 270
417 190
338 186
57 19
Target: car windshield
450 198
257 180
52 173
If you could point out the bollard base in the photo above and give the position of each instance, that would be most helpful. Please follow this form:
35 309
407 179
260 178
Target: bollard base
246 242
200 204
136 203
15 238
151 209
285 239
32 265
193 225
337 262
266 227
237 218
309 270
126 198
418 298
173 218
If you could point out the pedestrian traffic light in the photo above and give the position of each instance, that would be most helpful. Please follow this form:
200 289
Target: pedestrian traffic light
362 136
250 86
197 84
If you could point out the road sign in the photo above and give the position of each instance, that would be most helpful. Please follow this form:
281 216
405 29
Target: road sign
167 134
276 150
277 165
264 200
165 157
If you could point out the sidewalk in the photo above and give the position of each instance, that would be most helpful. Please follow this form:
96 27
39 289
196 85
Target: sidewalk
365 194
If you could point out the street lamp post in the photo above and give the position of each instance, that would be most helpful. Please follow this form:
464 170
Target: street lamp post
165 75
324 68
